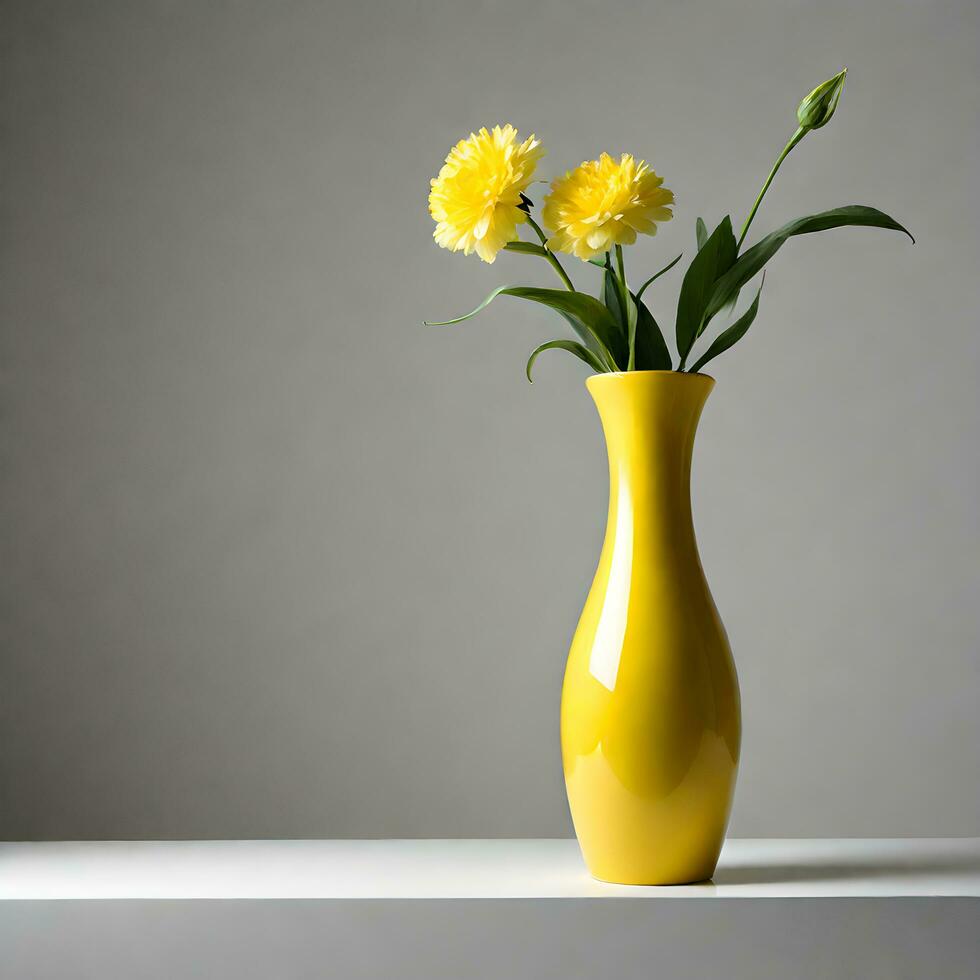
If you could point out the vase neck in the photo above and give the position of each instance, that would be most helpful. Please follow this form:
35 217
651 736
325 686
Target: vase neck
650 420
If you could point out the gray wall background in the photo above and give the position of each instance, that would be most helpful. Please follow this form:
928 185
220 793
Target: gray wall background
278 561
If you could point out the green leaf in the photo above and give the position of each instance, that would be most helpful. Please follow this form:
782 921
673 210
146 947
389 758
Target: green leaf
713 260
651 348
701 231
581 352
591 337
730 304
601 263
732 334
612 297
657 275
528 248
752 260
586 315
466 316
631 315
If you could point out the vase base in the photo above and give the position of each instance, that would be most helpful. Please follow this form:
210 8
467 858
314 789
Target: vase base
653 880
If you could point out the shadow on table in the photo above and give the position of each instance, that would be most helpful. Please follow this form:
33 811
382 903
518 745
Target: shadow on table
761 874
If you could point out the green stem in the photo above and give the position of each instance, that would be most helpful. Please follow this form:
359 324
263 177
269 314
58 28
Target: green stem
552 258
797 136
624 295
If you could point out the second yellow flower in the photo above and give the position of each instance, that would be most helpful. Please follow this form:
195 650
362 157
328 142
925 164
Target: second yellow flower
604 203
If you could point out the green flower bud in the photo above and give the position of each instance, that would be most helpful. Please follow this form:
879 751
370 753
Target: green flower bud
818 107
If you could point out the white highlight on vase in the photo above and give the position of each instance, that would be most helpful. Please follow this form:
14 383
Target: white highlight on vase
607 647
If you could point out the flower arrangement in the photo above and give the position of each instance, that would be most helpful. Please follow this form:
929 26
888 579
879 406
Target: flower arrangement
478 202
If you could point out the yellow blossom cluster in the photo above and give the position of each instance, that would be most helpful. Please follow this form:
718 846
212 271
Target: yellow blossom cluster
476 200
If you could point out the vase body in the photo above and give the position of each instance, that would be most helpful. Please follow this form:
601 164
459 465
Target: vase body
650 715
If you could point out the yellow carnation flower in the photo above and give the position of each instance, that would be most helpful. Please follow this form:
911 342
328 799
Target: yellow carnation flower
604 203
474 200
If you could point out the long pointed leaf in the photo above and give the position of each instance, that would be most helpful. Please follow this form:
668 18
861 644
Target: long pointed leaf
752 260
651 348
631 315
712 261
591 339
657 275
701 232
580 351
587 316
467 316
731 335
730 302
612 296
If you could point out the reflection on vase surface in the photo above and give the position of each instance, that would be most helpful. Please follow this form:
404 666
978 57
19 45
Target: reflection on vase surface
650 718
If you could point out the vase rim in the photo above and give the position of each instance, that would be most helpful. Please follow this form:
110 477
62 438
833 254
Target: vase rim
640 374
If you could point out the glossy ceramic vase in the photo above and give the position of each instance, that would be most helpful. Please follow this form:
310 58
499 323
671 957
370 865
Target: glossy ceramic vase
650 717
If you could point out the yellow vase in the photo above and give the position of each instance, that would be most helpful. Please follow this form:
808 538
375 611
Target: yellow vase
650 717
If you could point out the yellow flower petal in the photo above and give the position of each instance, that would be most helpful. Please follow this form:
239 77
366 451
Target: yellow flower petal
604 203
475 199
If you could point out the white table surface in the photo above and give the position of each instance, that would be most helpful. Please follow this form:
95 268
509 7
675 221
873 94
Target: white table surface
464 869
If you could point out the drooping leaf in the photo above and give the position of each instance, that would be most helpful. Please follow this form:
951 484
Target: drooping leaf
592 339
587 316
657 275
732 334
752 260
528 248
701 231
466 316
713 260
573 347
651 348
